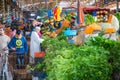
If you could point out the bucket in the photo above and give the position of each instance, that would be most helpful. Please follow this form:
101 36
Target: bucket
34 78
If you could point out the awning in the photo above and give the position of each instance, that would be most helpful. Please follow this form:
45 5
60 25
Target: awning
90 8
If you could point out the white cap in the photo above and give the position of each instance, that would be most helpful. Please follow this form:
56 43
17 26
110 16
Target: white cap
37 28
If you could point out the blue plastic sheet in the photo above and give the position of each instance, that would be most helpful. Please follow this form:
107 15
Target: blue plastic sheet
69 32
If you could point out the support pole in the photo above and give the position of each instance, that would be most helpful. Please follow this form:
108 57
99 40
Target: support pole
117 5
3 10
95 3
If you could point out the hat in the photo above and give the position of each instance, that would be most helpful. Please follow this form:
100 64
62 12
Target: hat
73 17
18 32
37 28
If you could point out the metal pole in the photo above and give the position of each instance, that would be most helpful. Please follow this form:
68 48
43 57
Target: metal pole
57 2
45 4
8 15
3 11
33 5
95 3
117 5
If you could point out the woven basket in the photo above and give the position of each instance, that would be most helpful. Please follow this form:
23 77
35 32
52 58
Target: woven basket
21 73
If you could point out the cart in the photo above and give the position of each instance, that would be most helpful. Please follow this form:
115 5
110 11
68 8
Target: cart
19 73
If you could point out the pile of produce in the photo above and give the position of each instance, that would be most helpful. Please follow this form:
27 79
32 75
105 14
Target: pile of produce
68 17
89 19
118 16
110 45
102 16
92 61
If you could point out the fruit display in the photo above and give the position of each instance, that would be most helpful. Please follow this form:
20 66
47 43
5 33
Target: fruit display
118 16
102 15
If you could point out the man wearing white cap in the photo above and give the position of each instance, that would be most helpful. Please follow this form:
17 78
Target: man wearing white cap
35 43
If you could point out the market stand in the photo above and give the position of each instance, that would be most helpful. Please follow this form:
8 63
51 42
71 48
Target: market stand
59 53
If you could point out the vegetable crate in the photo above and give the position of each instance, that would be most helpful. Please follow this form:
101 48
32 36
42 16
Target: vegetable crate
39 76
39 54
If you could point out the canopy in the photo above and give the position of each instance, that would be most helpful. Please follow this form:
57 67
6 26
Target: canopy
90 8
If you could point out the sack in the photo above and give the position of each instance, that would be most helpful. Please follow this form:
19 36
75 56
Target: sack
80 38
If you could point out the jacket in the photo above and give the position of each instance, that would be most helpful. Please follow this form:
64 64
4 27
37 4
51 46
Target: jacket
20 44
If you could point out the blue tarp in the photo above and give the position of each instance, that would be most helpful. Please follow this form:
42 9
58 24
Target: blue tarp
69 32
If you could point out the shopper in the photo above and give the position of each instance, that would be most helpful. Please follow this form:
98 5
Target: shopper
35 43
73 26
19 44
8 31
13 33
4 40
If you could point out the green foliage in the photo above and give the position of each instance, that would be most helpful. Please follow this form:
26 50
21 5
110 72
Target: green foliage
37 67
91 64
61 36
64 61
118 16
110 45
89 19
68 17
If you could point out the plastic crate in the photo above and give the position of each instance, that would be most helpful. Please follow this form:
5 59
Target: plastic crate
69 32
39 54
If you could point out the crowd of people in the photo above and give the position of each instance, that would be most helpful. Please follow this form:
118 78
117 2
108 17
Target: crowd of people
15 41
13 37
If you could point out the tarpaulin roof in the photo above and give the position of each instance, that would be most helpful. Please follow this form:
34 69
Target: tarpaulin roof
90 8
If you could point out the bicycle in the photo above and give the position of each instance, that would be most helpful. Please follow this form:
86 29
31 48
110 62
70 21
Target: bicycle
6 74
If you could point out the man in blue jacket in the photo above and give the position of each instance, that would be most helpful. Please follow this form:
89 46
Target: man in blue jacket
19 44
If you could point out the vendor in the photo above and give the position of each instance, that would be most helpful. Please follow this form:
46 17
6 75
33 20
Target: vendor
73 25
51 24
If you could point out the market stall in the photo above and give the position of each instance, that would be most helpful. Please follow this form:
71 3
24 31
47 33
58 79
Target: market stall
90 51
